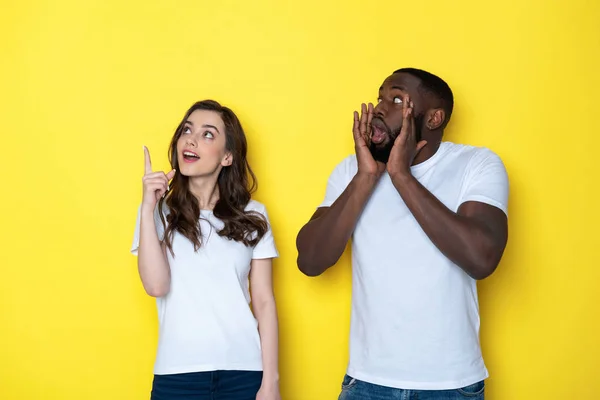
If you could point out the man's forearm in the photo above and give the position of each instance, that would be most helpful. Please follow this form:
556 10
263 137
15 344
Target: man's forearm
322 240
467 242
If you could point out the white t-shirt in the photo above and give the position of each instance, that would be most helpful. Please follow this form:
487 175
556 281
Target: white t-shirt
415 314
205 321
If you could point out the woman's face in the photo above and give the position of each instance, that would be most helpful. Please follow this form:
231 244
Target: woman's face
201 147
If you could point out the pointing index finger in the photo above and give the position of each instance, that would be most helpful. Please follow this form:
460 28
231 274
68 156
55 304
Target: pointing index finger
147 162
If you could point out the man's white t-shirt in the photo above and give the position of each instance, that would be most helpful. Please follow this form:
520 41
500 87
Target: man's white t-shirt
415 314
205 321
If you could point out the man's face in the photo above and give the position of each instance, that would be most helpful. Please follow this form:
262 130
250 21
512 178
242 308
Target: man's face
387 115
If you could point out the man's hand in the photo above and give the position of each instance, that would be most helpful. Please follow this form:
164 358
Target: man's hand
405 147
362 139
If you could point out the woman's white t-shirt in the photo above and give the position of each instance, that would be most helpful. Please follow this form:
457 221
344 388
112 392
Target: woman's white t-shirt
205 320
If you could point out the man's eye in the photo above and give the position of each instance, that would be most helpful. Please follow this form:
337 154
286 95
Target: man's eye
379 100
397 100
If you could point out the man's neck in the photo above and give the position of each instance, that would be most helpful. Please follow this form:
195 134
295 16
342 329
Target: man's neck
432 146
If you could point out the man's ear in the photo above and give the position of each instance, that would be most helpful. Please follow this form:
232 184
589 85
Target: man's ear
435 119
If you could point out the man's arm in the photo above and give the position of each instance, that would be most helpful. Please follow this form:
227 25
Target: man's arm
474 238
322 240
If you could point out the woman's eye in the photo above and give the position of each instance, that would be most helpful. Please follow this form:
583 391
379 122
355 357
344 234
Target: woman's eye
379 100
209 135
397 100
187 130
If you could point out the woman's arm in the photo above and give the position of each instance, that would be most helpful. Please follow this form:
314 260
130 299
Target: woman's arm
153 266
265 311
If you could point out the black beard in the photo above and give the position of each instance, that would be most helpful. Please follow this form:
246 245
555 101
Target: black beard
382 153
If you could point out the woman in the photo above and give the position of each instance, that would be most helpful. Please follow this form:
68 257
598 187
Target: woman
199 240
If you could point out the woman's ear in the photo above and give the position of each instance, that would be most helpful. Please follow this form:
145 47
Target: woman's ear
227 160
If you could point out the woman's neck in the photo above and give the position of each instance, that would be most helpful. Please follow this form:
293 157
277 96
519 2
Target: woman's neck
206 191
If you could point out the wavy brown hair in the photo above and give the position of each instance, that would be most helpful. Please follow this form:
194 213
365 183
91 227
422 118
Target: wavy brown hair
236 182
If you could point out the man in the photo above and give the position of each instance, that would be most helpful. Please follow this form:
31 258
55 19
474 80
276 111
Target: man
427 218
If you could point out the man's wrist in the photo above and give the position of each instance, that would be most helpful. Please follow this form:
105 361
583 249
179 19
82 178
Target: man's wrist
401 176
362 178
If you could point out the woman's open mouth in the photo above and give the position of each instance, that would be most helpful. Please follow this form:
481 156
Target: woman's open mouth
190 156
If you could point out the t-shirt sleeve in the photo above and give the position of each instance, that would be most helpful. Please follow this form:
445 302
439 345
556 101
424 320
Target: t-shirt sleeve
265 248
489 182
136 232
338 180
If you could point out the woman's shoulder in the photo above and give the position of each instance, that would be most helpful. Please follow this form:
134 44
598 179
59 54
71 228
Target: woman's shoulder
257 206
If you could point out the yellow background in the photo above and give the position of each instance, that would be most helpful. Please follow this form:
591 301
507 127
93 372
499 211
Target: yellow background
85 84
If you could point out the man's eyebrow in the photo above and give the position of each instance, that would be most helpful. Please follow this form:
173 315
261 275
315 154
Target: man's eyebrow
398 87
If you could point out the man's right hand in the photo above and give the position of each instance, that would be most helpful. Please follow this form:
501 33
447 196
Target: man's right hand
322 240
156 184
362 139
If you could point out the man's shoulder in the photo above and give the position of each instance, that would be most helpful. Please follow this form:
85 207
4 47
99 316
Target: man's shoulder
349 161
470 154
347 166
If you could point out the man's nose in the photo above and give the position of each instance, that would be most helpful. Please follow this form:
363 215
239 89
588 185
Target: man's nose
380 110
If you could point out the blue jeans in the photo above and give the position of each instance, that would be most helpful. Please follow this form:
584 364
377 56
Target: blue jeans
213 385
353 389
